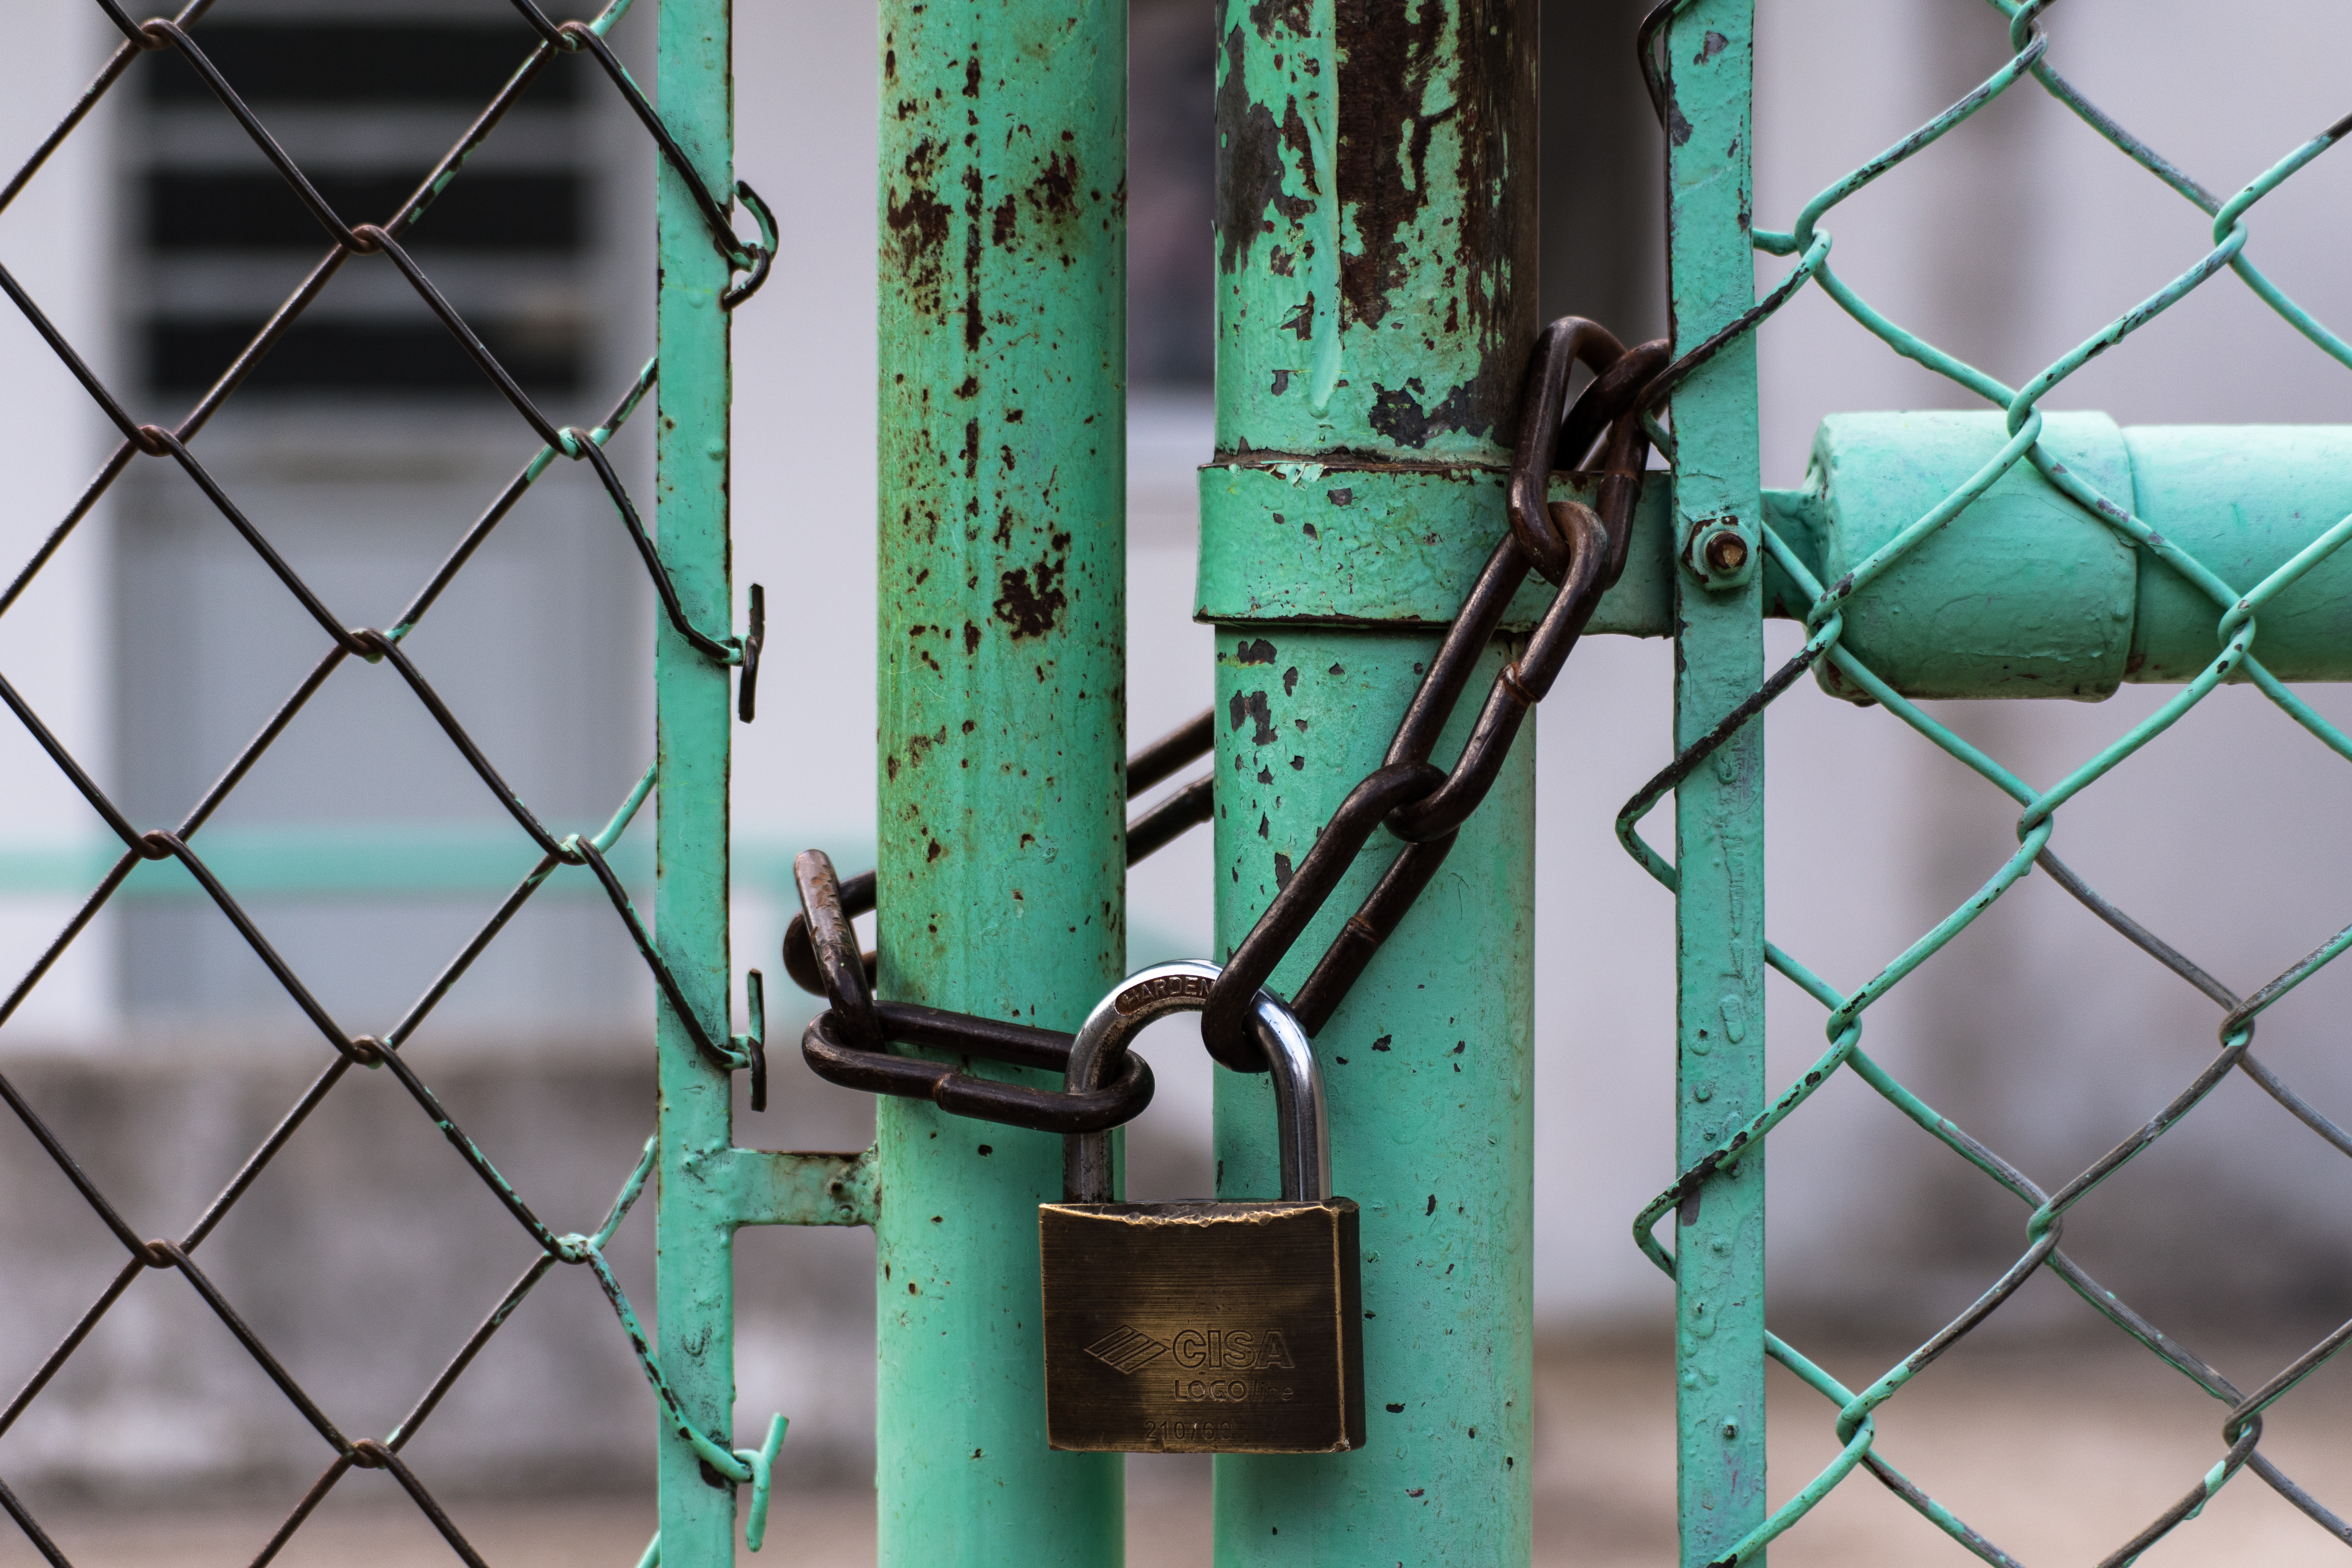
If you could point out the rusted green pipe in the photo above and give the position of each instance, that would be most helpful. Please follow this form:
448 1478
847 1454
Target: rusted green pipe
2026 594
1376 286
1002 847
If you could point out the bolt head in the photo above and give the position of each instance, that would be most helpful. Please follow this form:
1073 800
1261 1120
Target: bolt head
1726 552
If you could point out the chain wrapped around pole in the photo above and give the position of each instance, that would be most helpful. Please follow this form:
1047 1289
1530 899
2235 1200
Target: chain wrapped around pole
1579 548
1418 802
846 1042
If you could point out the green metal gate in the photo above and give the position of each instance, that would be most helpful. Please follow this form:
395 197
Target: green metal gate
1376 318
2176 543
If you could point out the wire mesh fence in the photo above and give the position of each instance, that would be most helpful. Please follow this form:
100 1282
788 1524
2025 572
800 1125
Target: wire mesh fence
2236 605
2236 656
344 237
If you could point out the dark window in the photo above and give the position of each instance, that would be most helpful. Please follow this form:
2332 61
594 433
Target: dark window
359 63
343 355
480 210
360 74
532 642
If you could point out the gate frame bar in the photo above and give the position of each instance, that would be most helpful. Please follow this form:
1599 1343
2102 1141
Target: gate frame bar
1719 1001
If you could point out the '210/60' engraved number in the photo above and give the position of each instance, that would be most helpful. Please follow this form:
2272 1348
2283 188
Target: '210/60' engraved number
1191 1431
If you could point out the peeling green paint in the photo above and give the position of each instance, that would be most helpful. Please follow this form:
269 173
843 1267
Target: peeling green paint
1375 258
1002 691
1375 310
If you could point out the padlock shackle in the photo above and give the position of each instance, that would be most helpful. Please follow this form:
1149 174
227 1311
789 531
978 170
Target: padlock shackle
1183 987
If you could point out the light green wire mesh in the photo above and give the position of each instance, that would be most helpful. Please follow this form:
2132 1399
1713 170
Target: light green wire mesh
2237 609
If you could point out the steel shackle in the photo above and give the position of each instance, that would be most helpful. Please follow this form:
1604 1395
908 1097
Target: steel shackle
1183 987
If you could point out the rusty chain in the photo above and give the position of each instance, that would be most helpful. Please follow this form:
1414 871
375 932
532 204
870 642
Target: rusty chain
1582 550
847 1044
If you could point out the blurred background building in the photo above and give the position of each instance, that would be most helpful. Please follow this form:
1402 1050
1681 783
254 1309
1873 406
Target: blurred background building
156 645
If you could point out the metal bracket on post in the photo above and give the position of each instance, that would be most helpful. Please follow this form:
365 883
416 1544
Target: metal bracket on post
766 1187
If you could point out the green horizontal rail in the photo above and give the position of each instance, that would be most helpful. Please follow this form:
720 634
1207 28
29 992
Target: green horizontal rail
380 860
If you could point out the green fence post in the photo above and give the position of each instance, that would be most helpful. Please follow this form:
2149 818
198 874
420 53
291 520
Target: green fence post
1003 648
1377 304
695 1220
1720 809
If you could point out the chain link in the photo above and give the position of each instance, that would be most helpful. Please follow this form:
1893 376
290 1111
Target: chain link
1579 550
847 1042
1418 802
372 645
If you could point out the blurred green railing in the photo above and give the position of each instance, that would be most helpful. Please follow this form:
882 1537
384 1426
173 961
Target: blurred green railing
378 860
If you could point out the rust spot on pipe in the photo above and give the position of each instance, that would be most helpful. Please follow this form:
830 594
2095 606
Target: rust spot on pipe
1032 608
1475 69
1386 65
918 226
1249 158
1298 15
1253 707
1056 190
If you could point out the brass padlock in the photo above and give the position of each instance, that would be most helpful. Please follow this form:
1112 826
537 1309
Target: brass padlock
1203 1327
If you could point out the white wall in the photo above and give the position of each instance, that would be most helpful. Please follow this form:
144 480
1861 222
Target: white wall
53 642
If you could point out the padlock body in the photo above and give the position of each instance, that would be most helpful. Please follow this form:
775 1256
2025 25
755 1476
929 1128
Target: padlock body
1202 1328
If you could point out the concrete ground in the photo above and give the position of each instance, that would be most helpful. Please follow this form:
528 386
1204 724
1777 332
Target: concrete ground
2058 1457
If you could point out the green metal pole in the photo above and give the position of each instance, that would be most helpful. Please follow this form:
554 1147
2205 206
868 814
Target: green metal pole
1376 253
1001 852
1719 810
694 1227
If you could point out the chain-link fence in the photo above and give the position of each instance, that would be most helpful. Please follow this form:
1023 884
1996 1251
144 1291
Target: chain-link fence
1795 569
344 235
1825 601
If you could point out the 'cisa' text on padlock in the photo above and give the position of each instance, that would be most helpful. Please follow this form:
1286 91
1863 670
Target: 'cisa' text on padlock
1245 1350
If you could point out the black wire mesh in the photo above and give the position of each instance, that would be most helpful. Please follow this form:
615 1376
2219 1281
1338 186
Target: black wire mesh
344 239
